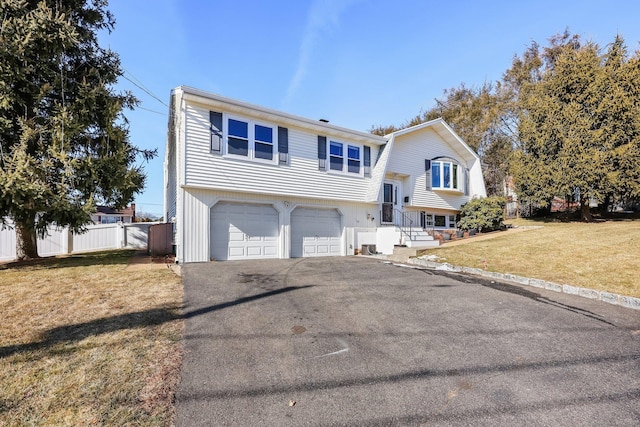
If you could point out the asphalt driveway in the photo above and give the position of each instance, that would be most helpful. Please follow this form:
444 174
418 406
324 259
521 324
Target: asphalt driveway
356 341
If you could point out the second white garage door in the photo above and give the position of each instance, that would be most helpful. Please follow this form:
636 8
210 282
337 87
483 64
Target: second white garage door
315 232
243 231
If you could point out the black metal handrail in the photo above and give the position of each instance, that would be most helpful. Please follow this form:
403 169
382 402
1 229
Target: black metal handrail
404 219
411 219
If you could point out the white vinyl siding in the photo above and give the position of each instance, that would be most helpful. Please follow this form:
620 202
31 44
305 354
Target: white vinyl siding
378 170
300 177
408 156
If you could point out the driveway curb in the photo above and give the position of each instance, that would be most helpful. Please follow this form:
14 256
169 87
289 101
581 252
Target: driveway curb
608 297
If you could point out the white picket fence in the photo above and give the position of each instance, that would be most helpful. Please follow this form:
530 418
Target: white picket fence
60 241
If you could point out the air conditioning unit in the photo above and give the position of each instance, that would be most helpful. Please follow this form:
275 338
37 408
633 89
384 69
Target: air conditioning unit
369 250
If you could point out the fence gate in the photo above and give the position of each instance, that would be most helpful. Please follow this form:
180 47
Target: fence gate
160 239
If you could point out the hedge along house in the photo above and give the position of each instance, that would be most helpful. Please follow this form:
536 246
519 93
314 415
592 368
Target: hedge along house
248 182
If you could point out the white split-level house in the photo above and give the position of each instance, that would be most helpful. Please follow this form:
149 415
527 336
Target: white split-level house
249 182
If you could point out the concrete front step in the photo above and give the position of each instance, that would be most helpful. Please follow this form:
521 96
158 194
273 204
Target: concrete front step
417 238
422 243
420 235
403 253
420 240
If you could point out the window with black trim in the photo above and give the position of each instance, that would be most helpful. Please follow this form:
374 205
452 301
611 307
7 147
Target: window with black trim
254 140
346 158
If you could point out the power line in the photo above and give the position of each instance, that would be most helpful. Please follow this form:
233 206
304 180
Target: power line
152 111
142 87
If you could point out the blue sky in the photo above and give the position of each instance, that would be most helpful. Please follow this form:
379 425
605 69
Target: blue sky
357 63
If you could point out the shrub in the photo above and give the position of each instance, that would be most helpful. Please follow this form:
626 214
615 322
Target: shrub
485 214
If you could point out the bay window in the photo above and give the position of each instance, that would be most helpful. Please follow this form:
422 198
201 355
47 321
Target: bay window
446 175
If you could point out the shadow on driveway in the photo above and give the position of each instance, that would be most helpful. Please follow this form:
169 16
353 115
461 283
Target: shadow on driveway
141 319
371 343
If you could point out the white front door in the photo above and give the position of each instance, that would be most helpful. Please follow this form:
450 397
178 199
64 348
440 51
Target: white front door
391 195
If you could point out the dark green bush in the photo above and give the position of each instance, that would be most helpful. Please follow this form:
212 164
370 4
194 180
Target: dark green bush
483 214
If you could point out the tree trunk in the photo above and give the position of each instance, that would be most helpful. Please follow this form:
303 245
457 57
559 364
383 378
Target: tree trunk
26 240
604 206
585 210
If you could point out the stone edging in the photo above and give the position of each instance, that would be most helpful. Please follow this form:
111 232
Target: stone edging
615 299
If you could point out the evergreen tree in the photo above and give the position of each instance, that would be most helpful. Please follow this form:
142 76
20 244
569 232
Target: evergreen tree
563 122
64 141
619 123
577 122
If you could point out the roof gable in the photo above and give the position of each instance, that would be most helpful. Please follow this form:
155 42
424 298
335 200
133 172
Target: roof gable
440 127
107 210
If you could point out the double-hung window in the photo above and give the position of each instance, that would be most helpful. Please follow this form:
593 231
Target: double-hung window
255 141
336 156
338 162
238 138
263 142
353 154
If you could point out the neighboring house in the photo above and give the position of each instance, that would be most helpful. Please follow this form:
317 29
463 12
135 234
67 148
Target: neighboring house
559 204
107 215
247 182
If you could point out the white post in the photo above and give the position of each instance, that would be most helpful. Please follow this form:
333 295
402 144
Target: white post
69 250
120 235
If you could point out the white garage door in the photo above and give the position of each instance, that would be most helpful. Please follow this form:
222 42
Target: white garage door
315 232
243 231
